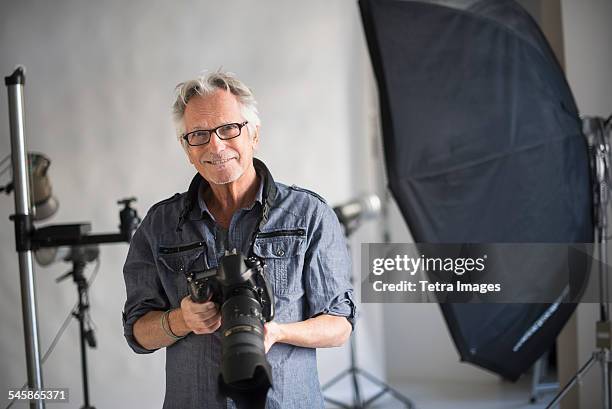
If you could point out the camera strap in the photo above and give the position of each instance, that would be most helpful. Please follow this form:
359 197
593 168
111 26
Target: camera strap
268 196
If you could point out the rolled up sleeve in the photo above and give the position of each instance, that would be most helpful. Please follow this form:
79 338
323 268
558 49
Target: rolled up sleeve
328 269
143 286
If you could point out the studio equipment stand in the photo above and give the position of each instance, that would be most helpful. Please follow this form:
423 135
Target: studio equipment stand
597 132
367 208
79 260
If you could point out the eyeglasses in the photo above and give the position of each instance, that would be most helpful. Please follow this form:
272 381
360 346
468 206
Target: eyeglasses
224 132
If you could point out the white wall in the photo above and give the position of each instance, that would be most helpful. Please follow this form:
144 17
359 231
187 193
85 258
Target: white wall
100 78
587 34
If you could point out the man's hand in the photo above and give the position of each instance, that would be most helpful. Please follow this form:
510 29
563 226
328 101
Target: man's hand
202 318
272 334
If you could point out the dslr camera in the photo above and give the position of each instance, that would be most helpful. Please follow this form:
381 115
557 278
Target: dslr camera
240 287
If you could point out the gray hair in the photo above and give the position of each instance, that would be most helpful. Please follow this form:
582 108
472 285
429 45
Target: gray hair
206 84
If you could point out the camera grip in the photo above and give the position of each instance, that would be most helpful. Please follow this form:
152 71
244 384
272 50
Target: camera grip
202 285
199 294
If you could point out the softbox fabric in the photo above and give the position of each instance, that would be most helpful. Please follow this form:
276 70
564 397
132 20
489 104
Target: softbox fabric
483 144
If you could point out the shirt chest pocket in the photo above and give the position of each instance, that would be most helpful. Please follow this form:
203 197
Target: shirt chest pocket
175 261
283 253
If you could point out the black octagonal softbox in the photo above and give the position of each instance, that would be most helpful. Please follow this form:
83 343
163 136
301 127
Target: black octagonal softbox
483 144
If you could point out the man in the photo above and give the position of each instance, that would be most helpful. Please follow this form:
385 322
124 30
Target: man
233 202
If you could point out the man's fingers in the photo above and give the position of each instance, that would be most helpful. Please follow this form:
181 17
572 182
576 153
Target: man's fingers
207 320
209 326
217 326
206 315
212 320
188 304
267 346
197 308
201 318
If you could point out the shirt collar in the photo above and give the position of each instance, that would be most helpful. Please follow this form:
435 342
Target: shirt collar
193 212
204 208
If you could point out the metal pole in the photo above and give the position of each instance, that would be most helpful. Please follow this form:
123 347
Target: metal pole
357 402
22 217
603 256
82 287
605 315
575 379
603 264
83 352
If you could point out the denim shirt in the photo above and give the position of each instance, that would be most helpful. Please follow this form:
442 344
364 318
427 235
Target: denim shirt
307 264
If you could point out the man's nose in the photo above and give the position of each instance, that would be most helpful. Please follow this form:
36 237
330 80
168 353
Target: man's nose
216 144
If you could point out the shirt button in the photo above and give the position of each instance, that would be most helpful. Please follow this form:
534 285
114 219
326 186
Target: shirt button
280 252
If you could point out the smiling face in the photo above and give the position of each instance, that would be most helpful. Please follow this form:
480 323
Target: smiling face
219 162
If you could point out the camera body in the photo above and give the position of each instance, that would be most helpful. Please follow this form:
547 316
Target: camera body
234 275
240 287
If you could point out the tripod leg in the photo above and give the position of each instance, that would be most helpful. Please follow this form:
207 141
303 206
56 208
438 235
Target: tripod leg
537 374
338 403
335 379
605 372
357 403
382 392
573 381
386 389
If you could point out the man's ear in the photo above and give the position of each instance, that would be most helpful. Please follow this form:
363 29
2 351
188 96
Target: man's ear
256 137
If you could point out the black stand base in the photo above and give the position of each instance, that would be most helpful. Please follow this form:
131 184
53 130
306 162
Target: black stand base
358 403
353 372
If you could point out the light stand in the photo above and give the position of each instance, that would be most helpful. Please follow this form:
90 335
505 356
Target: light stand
353 371
595 130
80 314
80 256
23 224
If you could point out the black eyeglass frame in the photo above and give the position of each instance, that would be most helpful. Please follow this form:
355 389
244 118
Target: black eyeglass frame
215 131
